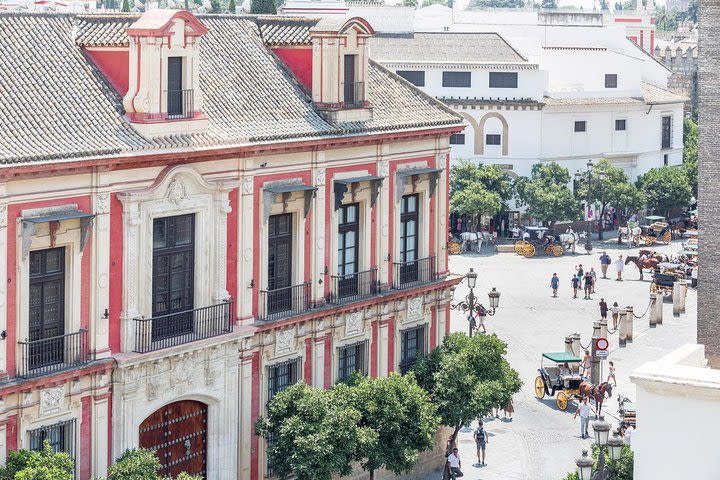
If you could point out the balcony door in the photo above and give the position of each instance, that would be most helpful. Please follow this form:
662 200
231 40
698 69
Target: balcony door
348 233
173 272
349 91
47 307
174 86
280 263
409 238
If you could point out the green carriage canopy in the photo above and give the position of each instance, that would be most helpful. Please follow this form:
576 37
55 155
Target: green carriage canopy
561 357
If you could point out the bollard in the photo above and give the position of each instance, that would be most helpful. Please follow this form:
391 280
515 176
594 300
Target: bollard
594 362
603 328
652 311
659 306
576 348
629 323
596 330
683 295
676 299
622 328
569 345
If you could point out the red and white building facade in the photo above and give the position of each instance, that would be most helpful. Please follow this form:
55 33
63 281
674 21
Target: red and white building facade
198 212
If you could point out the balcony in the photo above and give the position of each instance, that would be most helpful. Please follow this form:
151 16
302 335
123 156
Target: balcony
55 354
354 94
284 302
166 331
353 287
180 104
414 273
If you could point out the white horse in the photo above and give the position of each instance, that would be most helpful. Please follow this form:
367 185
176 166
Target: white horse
477 238
632 234
570 240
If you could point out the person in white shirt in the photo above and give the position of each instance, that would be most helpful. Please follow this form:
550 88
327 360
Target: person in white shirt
584 410
454 465
619 266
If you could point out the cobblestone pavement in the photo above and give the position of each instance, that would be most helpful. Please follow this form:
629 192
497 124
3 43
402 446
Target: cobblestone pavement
542 442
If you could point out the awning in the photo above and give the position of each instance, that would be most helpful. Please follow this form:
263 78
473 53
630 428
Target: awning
29 223
401 178
286 188
342 185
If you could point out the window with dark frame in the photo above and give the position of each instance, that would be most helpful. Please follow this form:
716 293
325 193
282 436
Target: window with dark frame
412 345
456 79
611 80
416 77
580 126
457 139
348 249
280 241
666 159
620 125
503 80
493 139
173 274
47 307
60 436
175 105
352 358
281 376
409 219
666 132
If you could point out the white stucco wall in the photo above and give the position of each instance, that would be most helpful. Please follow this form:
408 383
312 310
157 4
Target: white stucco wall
678 403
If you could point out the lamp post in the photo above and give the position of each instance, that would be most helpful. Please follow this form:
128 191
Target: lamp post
614 446
470 304
589 179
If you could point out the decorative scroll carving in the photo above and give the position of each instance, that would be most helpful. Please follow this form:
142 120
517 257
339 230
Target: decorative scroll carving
176 192
51 400
102 203
375 185
320 177
248 186
434 178
340 191
352 322
283 341
415 308
28 230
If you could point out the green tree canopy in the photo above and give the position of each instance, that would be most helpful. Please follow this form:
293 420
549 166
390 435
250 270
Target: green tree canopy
410 3
467 377
125 6
427 3
690 153
216 7
497 4
547 195
135 464
665 188
620 470
263 7
478 189
38 465
604 5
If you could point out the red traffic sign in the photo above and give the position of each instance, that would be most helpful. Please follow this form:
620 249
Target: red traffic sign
602 344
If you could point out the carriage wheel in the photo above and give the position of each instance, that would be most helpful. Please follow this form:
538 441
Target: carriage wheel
454 248
539 387
562 400
667 237
557 250
649 240
519 245
528 250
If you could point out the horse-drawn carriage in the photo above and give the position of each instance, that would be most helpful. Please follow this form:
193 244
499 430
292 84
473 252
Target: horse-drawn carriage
468 241
553 379
665 277
658 230
536 238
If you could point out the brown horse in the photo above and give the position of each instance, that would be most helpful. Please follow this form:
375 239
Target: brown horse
653 254
596 392
649 263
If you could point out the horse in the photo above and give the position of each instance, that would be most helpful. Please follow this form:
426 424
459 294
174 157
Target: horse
653 254
632 234
649 263
596 392
474 237
570 240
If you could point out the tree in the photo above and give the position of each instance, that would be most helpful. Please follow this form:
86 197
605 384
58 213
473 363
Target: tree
135 464
618 6
614 189
232 8
38 465
630 5
410 3
427 3
125 6
260 7
605 5
400 415
467 377
497 4
216 6
665 188
315 433
547 195
478 189
690 153
692 11
621 470
549 4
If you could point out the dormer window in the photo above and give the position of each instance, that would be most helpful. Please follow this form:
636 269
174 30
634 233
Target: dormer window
340 66
163 96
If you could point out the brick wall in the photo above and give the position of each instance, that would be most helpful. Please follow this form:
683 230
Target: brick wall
708 328
684 65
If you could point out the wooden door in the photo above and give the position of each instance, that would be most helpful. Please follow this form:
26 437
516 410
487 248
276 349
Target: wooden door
178 434
47 307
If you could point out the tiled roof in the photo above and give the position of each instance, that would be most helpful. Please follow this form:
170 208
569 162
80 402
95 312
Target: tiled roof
658 95
55 104
652 94
444 48
285 30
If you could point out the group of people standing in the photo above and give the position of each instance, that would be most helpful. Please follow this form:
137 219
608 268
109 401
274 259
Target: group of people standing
581 279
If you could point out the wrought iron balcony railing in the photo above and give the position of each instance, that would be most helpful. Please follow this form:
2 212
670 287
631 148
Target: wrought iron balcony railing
180 104
353 287
54 354
284 302
413 273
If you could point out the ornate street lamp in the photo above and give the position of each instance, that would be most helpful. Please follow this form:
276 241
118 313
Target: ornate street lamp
579 180
470 304
584 466
615 445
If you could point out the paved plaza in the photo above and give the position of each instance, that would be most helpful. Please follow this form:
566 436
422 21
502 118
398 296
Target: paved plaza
542 442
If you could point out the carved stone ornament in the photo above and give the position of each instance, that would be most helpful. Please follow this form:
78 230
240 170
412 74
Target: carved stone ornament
51 400
151 389
248 186
3 215
176 191
102 203
183 371
320 177
284 341
353 321
384 168
415 308
210 374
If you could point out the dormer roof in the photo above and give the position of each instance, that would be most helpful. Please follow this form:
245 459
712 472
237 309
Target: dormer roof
341 25
159 22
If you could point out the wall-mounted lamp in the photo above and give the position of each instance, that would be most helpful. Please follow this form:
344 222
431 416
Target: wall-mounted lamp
106 314
3 335
252 283
326 270
319 281
388 257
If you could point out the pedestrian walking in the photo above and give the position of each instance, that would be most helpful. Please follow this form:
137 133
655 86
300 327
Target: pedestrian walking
580 271
588 285
594 278
584 411
554 283
603 309
605 262
454 465
575 285
615 315
586 365
508 409
481 440
611 372
694 277
619 267
481 314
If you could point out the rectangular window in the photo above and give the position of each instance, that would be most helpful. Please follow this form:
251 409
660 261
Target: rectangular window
580 126
348 249
47 307
457 139
351 91
409 216
60 436
412 346
611 80
666 132
175 87
352 358
456 79
416 77
493 139
282 375
503 79
280 241
620 125
666 159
